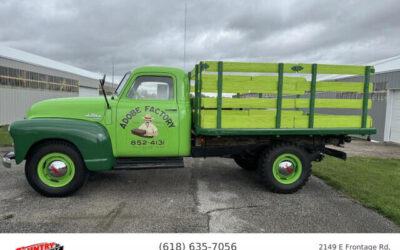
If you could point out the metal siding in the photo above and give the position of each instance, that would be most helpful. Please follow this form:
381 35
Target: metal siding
394 134
392 78
378 114
382 81
83 81
85 92
15 102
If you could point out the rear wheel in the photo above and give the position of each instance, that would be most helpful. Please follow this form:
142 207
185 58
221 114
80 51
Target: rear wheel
284 168
55 169
246 162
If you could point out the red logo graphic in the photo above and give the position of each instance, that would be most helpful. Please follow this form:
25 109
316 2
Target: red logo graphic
43 246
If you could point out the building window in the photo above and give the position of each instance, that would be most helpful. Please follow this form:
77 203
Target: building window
27 79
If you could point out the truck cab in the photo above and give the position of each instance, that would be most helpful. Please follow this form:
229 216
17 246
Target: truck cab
152 114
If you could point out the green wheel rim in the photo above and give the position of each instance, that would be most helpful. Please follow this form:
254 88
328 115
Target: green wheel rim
294 174
44 173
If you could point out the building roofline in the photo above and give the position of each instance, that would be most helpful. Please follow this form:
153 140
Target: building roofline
25 57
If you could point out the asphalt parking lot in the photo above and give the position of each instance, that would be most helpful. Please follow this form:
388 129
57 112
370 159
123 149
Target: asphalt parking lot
211 195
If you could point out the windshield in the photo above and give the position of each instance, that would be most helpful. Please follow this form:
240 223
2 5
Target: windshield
122 83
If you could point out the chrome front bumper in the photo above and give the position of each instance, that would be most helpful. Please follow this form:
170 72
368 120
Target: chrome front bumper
6 159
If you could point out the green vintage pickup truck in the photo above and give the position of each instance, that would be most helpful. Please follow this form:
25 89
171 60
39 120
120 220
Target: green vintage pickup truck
266 116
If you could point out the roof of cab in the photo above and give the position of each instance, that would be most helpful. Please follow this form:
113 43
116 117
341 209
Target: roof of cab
159 69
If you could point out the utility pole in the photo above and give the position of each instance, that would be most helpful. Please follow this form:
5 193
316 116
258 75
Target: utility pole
184 38
112 61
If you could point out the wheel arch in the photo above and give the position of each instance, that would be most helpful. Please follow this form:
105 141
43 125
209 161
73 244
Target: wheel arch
90 139
50 140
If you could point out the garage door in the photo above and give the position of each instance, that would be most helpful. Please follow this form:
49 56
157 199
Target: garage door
395 121
84 91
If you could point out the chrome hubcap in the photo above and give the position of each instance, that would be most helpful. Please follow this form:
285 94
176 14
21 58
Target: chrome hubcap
286 168
57 168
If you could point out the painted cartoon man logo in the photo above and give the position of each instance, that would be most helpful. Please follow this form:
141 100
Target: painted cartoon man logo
147 129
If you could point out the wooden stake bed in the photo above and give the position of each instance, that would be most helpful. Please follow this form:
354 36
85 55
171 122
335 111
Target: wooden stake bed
286 102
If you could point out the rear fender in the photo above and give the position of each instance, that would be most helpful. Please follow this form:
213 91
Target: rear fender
90 138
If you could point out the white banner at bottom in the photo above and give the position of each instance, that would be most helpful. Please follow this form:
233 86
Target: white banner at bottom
199 241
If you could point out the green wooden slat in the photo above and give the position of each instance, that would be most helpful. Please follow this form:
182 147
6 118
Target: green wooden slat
330 121
287 103
332 103
365 97
247 103
279 96
312 95
189 76
267 84
196 96
250 119
192 73
288 68
338 86
200 86
219 96
243 67
340 69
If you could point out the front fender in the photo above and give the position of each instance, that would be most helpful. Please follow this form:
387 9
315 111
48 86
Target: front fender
91 139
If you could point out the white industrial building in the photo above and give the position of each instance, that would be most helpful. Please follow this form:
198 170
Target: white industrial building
26 78
385 97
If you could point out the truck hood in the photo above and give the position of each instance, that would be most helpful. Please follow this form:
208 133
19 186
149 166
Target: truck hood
82 108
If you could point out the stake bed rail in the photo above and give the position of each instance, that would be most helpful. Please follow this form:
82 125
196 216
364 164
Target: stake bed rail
209 76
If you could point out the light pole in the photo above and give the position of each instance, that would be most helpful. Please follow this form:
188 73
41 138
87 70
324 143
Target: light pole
184 38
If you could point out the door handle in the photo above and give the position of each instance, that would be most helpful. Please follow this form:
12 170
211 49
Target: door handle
171 109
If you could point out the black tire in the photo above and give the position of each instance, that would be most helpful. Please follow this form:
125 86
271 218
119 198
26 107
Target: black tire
31 168
246 162
266 168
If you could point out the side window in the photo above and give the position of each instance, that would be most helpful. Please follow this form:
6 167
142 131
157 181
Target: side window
152 88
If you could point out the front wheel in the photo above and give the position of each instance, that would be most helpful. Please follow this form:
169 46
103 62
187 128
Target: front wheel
55 169
284 168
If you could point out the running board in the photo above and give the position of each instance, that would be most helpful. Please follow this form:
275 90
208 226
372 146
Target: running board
148 163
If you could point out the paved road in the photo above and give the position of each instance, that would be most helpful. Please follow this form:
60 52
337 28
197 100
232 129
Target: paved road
212 195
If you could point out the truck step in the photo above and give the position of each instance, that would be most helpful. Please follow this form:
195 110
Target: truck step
148 163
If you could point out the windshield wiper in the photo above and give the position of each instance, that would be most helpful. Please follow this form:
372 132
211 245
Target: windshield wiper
102 81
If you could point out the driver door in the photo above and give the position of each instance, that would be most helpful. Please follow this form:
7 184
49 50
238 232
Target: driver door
147 118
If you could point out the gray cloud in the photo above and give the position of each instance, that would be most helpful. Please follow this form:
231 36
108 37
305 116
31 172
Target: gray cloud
90 34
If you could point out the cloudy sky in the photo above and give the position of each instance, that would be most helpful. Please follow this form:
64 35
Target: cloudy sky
91 34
